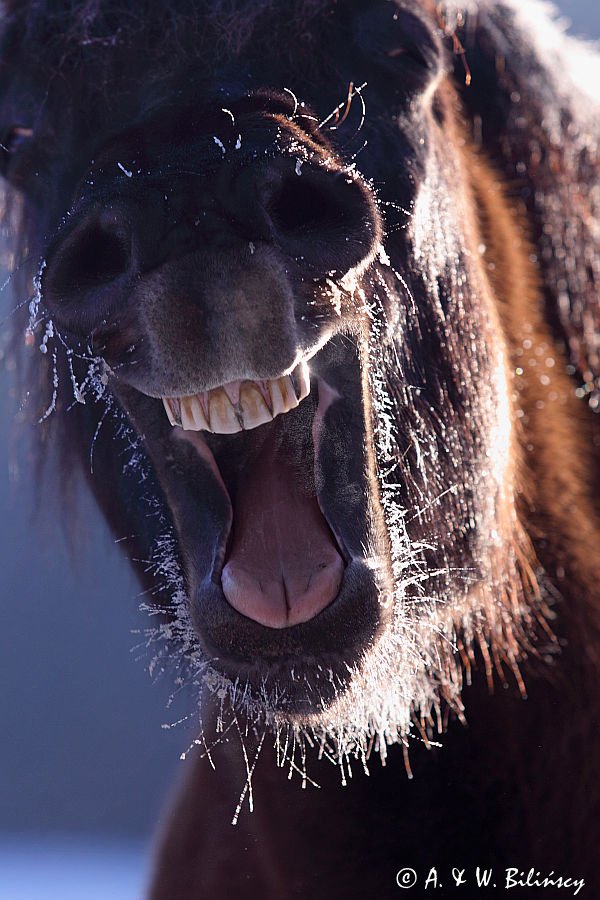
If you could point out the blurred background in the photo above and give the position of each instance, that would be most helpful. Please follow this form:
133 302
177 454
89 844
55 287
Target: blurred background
85 765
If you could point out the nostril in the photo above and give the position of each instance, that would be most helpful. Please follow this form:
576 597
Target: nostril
302 204
101 256
326 219
92 257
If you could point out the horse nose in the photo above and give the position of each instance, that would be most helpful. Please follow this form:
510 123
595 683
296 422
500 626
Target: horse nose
321 220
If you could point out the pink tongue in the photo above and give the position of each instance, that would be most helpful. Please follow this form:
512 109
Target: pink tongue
283 567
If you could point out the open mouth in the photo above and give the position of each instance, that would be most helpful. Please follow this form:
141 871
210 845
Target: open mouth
281 564
279 523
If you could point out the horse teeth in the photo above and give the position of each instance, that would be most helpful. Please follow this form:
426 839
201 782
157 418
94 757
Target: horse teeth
301 380
233 391
173 408
187 422
222 417
254 410
193 418
239 405
283 396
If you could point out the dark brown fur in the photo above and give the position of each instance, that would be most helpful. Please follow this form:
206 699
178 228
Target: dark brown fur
518 788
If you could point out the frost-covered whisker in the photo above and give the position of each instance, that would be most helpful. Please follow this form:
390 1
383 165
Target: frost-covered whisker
52 343
353 91
96 434
52 405
220 145
295 99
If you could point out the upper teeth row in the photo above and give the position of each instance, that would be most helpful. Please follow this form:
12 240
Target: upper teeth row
239 405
